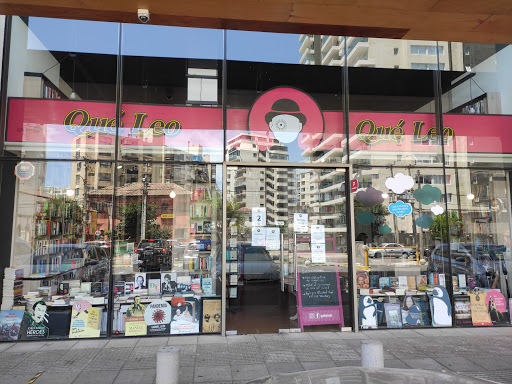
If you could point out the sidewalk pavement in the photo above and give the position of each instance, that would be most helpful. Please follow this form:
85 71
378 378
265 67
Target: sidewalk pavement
479 352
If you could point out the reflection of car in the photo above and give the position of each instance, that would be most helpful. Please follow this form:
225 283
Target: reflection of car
391 249
461 259
256 263
153 254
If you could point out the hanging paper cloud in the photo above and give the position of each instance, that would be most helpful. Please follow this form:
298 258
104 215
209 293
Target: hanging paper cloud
400 208
427 195
370 197
437 209
366 218
399 183
384 229
424 221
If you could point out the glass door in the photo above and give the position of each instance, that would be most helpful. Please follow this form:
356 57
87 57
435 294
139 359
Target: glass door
280 221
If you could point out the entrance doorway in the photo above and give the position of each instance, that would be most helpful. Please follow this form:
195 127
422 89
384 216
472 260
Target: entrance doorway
281 222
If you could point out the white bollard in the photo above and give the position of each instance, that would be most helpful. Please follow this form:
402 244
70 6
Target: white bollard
372 354
168 365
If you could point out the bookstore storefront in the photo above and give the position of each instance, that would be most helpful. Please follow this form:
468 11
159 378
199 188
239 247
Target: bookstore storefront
169 181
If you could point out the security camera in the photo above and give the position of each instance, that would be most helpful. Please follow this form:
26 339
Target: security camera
143 15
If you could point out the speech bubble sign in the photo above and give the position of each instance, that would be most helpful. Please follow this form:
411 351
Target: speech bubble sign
400 209
424 221
366 218
399 183
384 229
437 209
370 197
427 194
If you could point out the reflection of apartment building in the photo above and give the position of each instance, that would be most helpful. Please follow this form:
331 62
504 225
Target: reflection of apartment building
379 53
273 188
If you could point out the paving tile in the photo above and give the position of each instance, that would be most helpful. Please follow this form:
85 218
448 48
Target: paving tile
59 345
395 363
186 375
10 360
460 364
127 342
425 363
96 376
404 333
297 336
268 337
16 379
309 365
244 353
348 363
241 339
379 334
288 367
212 374
491 363
248 372
353 335
325 335
135 376
50 377
30 346
211 339
152 341
182 340
4 346
96 343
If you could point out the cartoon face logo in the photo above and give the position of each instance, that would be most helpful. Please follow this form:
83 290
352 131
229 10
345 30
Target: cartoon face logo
289 116
285 120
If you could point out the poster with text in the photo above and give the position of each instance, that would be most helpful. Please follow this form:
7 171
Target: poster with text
300 222
258 237
479 313
211 316
318 234
158 317
273 239
85 321
318 253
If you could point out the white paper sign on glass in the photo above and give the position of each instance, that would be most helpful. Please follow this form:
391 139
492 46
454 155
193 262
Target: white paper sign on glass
273 241
317 234
300 222
318 253
232 242
259 217
258 236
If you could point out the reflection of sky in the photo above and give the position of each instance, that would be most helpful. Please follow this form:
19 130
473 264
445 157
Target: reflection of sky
161 41
58 174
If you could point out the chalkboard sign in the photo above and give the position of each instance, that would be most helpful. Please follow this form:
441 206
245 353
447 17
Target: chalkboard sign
319 289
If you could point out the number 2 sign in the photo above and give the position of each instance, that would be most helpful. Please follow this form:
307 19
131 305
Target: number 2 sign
259 217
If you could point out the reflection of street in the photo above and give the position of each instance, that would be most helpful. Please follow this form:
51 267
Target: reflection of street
391 264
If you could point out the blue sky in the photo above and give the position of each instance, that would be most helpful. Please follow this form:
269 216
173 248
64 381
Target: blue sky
162 41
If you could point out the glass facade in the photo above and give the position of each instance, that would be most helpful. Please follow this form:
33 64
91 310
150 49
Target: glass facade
167 180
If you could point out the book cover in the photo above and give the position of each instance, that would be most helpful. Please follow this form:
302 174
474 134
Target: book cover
442 279
195 284
497 307
233 279
154 286
86 287
363 280
211 316
455 283
128 287
85 321
393 315
63 288
462 281
207 285
374 281
393 282
169 283
402 282
233 291
462 309
10 324
424 311
183 320
104 288
183 283
119 287
96 288
411 282
383 282
471 281
421 282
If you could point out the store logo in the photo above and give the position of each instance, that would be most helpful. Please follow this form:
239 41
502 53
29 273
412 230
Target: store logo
287 114
79 121
368 132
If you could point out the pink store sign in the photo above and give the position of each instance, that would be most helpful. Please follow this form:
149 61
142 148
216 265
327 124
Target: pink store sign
287 114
